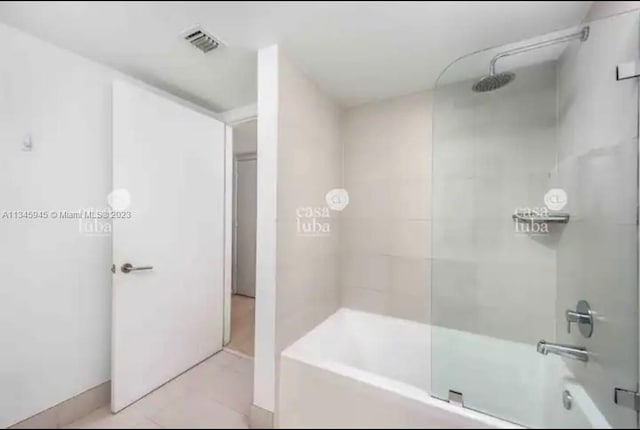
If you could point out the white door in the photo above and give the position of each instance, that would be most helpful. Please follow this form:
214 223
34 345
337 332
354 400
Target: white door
246 200
168 318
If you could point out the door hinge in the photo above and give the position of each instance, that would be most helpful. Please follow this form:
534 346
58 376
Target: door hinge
456 398
628 70
627 399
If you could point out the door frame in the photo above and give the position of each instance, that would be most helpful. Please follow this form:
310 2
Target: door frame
232 119
237 158
638 242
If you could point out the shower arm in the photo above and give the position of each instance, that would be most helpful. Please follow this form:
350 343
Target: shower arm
582 35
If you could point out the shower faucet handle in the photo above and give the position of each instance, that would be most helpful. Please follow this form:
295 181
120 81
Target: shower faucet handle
581 316
573 317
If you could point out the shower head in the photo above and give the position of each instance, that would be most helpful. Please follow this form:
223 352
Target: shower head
493 82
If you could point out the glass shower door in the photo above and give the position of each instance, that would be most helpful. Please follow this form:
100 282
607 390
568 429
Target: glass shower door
559 139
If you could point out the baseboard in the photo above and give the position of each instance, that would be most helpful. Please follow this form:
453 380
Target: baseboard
260 418
69 410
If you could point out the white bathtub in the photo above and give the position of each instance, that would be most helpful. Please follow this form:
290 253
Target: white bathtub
360 370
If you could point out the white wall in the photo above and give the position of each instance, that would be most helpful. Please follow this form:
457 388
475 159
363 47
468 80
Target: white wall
238 115
264 379
385 259
245 137
299 161
55 291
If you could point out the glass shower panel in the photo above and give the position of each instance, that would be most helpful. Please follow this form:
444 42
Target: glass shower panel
597 252
493 287
559 138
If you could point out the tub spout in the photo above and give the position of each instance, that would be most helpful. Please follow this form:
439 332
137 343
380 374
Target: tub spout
568 351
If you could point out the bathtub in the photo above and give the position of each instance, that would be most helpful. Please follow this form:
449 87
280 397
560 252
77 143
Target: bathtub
361 370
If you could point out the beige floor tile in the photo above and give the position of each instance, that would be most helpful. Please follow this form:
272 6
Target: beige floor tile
160 397
242 365
181 385
229 388
215 394
247 347
242 324
103 419
44 420
193 411
222 359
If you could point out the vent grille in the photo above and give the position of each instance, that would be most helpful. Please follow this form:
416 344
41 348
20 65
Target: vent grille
201 39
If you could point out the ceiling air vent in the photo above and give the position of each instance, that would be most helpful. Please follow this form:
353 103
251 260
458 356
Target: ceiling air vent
201 39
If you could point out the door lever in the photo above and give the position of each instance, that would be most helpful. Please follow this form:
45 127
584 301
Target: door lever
128 267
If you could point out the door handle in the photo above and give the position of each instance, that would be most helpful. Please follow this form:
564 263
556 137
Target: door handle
128 267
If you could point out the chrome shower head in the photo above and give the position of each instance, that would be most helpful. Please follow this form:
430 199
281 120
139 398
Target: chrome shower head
493 81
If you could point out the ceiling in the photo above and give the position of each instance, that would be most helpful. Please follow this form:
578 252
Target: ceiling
356 51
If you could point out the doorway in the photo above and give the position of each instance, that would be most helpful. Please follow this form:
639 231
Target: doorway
244 239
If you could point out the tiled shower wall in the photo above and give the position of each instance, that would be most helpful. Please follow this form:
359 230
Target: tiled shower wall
597 167
385 229
494 153
309 165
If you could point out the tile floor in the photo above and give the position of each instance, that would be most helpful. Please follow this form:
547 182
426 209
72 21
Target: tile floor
215 394
242 324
